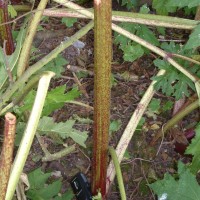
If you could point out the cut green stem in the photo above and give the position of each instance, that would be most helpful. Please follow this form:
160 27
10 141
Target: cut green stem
118 173
29 134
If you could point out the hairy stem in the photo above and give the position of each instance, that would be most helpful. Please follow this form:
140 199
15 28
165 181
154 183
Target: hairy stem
102 93
59 155
128 133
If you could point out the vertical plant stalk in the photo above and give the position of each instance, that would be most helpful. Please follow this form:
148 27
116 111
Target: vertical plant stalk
129 131
5 30
7 152
29 134
102 90
26 49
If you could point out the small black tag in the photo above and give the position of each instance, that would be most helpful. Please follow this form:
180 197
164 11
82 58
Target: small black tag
81 187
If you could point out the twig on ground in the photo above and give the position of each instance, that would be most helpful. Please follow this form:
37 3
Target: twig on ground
82 89
55 156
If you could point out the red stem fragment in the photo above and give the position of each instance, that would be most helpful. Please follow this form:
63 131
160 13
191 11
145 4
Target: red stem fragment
5 30
7 152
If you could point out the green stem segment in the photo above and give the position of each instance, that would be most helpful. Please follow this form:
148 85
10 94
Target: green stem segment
119 16
118 173
29 134
26 49
175 119
102 90
37 66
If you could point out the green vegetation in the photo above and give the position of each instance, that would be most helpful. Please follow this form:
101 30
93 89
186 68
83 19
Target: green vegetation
178 77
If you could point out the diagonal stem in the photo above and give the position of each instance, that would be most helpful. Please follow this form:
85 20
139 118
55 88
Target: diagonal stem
29 134
37 66
131 36
26 49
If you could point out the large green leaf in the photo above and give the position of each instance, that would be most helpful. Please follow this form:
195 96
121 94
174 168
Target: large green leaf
56 98
63 129
69 22
172 82
56 65
132 50
183 3
162 7
194 39
39 189
185 188
50 190
37 178
193 149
